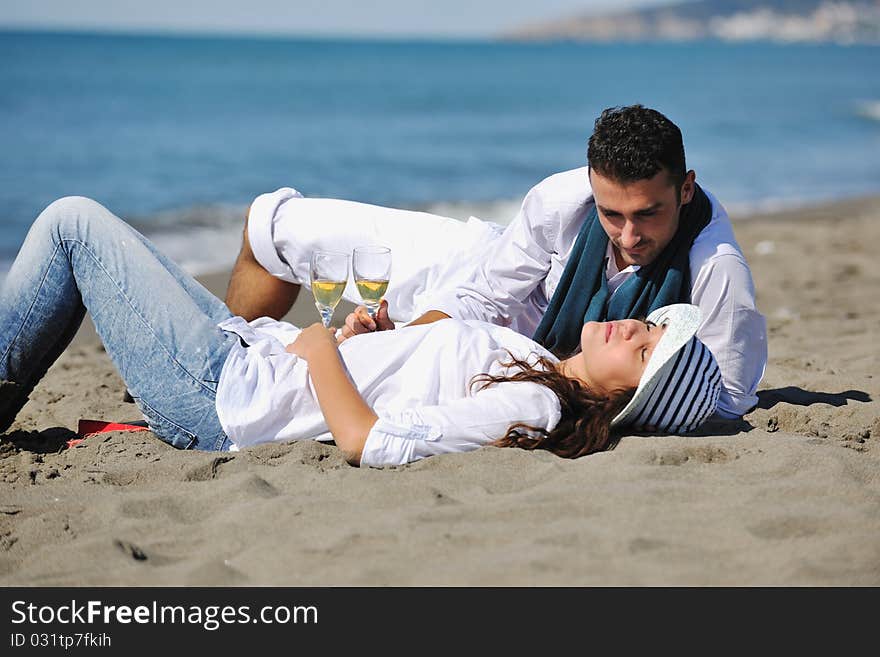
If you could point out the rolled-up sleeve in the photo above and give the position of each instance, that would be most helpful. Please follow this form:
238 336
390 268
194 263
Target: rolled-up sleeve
733 329
261 231
458 426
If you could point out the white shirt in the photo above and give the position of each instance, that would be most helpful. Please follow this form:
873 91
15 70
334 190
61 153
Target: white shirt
613 276
511 282
415 379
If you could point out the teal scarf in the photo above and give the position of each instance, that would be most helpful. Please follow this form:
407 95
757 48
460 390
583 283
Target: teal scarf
582 294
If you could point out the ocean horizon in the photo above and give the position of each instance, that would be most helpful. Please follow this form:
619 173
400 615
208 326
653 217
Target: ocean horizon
178 133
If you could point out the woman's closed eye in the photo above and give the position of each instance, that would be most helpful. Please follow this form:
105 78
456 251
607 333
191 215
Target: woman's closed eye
649 326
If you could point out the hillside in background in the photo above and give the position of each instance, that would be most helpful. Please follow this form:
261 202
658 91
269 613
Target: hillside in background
818 21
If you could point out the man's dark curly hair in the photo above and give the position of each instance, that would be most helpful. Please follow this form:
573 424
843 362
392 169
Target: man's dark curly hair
633 143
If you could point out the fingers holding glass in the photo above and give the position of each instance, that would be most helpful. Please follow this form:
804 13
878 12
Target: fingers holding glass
371 266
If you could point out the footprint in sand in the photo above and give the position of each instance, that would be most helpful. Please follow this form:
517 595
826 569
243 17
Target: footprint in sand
255 486
207 471
642 544
139 554
786 527
695 454
176 509
322 457
270 454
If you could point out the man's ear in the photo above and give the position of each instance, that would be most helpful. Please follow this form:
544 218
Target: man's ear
687 187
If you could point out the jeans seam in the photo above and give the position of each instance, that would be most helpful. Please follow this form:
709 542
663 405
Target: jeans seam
192 437
146 324
218 444
33 303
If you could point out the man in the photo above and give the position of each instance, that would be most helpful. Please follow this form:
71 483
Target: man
627 234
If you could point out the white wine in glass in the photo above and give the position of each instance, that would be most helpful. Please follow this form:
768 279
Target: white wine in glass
329 275
371 266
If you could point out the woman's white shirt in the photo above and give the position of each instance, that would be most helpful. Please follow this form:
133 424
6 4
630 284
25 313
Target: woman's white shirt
415 379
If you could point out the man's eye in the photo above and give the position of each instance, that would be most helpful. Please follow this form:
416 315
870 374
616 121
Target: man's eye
644 352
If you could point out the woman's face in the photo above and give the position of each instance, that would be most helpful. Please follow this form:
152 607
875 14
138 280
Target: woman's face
616 353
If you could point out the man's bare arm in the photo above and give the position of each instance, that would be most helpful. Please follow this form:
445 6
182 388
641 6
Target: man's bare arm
253 292
360 322
429 317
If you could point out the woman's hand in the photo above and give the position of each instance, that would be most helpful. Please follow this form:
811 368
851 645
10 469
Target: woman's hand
348 416
313 340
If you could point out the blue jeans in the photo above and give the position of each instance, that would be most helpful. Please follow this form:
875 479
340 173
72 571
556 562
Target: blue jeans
158 324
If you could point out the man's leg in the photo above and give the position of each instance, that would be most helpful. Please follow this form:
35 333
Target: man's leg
427 250
158 325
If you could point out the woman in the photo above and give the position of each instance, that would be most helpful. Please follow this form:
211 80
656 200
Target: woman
205 379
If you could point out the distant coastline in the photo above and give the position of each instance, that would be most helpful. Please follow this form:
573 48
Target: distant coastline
781 21
220 35
624 27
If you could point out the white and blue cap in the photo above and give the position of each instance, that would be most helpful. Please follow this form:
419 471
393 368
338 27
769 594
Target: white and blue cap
679 388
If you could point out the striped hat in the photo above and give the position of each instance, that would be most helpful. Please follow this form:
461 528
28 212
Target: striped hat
679 388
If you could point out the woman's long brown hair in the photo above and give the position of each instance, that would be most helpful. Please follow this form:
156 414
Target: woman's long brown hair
585 424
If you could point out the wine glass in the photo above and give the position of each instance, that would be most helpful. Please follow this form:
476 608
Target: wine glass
371 266
329 275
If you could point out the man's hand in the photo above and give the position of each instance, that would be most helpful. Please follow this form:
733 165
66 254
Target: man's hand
313 340
360 322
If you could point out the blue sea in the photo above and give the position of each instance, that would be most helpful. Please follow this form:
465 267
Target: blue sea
178 134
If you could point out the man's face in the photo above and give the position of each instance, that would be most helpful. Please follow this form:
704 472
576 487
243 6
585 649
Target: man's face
640 217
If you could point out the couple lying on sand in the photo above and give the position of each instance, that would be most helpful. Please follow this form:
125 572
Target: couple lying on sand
592 252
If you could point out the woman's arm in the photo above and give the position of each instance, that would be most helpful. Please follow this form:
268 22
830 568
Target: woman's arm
348 416
458 425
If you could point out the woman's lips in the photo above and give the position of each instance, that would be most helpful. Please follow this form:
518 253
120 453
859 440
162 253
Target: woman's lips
608 329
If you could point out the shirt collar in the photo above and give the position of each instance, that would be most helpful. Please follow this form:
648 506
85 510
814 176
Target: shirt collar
611 269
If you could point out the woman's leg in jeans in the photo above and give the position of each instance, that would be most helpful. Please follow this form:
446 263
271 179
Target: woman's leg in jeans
207 302
158 325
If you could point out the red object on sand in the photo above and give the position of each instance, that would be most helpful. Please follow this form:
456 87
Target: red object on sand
88 428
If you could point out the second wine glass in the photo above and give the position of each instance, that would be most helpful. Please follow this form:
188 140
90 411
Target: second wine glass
371 266
329 275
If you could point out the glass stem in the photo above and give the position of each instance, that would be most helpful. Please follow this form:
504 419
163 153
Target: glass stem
326 315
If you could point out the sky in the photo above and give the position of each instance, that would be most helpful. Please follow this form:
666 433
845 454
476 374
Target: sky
417 18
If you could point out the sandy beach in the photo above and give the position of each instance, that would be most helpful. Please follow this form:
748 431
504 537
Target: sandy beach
790 495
